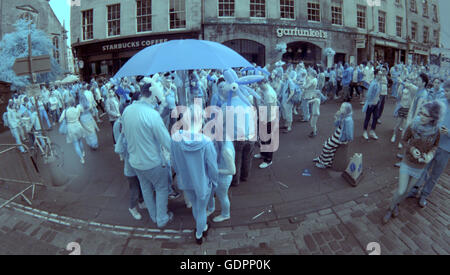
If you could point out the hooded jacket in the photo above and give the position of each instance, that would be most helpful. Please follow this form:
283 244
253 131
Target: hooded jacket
194 159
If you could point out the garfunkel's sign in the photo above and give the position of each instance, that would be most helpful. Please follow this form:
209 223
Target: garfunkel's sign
302 32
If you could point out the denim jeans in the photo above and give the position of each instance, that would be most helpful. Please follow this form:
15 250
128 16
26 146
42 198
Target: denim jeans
135 192
372 111
432 172
16 135
394 88
381 106
155 190
405 184
79 147
43 115
198 210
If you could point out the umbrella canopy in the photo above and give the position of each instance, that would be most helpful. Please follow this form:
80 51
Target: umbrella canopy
177 55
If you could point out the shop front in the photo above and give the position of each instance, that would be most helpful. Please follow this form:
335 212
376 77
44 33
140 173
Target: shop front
418 54
389 52
105 58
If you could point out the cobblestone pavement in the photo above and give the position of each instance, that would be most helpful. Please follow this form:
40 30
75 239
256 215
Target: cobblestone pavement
346 228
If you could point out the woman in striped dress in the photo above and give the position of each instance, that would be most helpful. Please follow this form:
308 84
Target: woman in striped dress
342 135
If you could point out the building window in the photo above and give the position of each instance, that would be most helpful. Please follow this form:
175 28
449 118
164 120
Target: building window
398 3
436 37
435 14
55 41
314 10
425 8
88 24
287 9
413 7
114 20
144 15
226 8
336 12
361 16
426 34
381 21
399 25
414 31
257 8
177 12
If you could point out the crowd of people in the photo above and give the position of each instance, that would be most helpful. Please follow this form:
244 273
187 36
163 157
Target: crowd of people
161 159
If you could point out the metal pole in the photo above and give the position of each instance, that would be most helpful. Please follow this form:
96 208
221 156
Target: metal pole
30 60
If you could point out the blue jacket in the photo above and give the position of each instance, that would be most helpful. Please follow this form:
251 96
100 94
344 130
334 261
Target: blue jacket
347 76
347 128
194 159
360 75
444 142
372 93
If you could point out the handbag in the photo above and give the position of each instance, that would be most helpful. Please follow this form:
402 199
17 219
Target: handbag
353 173
63 128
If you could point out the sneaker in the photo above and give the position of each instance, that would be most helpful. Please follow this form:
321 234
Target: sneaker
175 195
400 146
198 241
220 218
142 205
188 205
379 121
205 232
373 135
312 134
400 156
295 112
320 165
393 138
422 202
257 156
82 160
413 193
170 214
265 165
365 136
208 213
136 215
397 164
387 217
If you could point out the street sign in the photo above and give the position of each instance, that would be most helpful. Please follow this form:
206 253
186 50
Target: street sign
40 64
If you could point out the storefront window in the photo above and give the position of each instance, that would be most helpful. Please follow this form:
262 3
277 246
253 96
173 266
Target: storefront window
251 50
177 13
226 8
305 52
144 15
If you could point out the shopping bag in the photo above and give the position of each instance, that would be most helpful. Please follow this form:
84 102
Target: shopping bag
354 172
63 128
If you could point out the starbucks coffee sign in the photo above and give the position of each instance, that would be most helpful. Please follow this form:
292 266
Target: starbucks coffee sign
302 33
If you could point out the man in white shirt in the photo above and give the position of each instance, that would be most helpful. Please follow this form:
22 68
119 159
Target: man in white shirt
146 134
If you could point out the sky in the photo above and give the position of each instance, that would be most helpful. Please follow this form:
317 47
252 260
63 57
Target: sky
62 11
61 8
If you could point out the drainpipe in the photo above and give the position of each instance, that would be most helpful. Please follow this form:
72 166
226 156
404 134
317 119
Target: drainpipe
407 32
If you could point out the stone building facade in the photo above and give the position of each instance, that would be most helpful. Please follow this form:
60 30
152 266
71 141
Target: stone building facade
45 19
106 34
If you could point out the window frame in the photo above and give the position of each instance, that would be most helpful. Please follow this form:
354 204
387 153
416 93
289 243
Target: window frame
147 15
176 12
258 4
228 2
359 9
56 49
416 26
341 4
313 2
113 20
87 25
427 32
288 7
381 12
397 26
